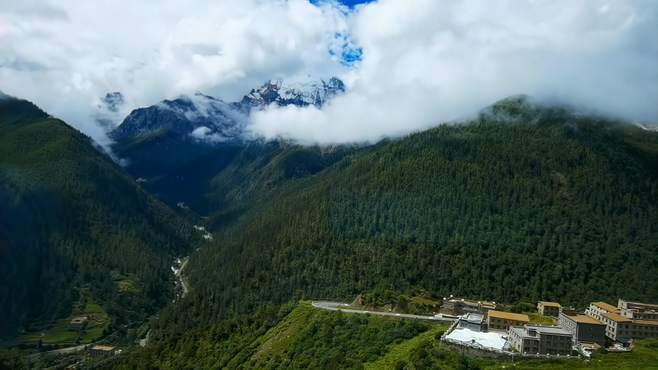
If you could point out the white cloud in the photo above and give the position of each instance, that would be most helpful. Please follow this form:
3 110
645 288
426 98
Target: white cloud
424 61
428 61
65 55
204 133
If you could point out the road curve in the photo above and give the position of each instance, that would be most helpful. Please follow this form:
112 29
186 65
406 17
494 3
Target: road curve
344 307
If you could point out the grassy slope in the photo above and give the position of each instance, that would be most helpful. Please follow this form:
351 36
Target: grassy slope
309 338
400 353
60 334
302 338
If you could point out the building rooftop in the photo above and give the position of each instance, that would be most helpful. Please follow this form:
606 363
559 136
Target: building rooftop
553 330
474 317
509 316
646 322
646 306
584 319
489 340
616 317
550 304
101 347
606 306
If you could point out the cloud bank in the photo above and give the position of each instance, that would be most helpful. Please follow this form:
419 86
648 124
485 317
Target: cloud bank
66 55
421 61
428 61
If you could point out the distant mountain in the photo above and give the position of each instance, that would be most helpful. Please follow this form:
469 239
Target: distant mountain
196 118
72 220
108 109
177 146
209 120
113 101
302 94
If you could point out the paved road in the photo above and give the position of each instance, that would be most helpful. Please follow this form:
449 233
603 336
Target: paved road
183 283
179 275
60 351
344 307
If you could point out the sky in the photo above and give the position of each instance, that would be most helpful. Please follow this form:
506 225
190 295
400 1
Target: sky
408 64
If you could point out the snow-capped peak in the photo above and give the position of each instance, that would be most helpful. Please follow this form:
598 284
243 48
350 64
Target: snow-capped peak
203 118
300 93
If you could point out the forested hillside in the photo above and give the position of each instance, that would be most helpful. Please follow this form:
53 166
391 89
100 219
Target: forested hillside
524 202
217 180
302 337
294 337
71 220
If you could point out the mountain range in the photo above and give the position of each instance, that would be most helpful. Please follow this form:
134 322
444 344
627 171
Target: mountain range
207 119
527 201
177 146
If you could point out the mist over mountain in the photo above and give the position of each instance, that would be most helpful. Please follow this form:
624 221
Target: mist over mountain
442 61
183 143
210 120
313 184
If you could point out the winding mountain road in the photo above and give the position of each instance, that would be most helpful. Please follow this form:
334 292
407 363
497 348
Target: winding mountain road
183 283
344 307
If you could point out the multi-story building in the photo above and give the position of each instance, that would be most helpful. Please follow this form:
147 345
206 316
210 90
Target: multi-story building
644 329
548 308
637 310
617 327
630 320
460 306
583 328
597 310
500 320
551 340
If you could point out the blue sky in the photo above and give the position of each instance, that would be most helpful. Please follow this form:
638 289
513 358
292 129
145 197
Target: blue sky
350 3
350 54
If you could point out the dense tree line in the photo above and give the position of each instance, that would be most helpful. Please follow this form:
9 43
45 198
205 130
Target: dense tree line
70 218
299 338
521 204
543 204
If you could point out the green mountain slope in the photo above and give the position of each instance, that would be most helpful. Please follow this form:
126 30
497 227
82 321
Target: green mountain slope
71 219
220 180
309 338
523 203
301 338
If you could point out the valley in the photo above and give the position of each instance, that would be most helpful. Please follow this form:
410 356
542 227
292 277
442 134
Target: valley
328 184
403 221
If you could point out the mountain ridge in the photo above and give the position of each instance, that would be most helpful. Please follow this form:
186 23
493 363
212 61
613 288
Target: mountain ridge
211 120
179 146
71 220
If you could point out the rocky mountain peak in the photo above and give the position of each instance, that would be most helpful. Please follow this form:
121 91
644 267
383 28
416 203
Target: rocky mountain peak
300 94
206 119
